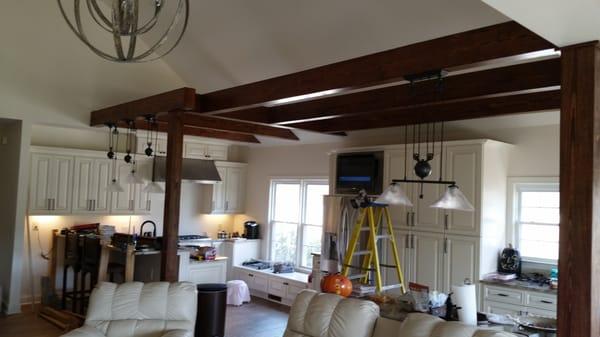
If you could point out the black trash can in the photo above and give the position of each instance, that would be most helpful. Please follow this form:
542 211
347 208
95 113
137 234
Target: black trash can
212 305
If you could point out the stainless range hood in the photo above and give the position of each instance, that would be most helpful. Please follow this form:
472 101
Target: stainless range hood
197 170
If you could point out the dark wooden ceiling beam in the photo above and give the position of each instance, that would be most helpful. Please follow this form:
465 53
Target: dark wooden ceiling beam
216 123
497 41
449 111
200 132
179 99
519 77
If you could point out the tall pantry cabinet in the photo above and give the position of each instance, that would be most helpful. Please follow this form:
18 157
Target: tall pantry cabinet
437 247
441 248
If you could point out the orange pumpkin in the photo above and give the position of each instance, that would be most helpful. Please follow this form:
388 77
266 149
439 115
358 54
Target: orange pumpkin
336 284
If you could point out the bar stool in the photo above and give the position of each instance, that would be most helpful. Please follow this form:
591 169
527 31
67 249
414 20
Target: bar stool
90 264
72 259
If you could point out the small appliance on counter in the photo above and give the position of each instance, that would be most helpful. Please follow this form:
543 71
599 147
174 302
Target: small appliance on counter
509 261
251 230
222 235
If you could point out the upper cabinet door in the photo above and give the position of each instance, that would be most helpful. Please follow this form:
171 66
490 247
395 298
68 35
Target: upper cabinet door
217 152
123 202
460 260
83 185
219 191
205 151
39 185
464 166
402 216
425 217
101 197
51 184
143 202
235 189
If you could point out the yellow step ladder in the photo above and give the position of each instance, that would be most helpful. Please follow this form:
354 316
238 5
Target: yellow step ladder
372 215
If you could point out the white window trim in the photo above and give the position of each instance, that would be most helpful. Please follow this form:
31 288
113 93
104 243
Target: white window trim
304 181
512 233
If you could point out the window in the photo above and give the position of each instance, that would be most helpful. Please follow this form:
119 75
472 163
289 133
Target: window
296 219
535 218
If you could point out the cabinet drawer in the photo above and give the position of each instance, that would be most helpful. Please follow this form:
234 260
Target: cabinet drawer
277 287
502 308
261 283
541 301
540 312
503 295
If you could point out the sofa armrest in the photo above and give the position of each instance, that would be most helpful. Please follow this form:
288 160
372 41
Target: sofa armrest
178 333
85 331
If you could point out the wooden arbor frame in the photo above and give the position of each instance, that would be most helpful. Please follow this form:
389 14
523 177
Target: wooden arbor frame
370 93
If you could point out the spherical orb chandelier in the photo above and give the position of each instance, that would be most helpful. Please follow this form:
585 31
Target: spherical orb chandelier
126 21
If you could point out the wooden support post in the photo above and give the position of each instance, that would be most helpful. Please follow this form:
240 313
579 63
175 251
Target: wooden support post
169 262
579 256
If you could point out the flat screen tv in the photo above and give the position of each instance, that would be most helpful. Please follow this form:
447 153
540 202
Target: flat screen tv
361 170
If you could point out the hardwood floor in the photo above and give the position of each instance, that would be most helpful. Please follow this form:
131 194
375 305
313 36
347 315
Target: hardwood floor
257 319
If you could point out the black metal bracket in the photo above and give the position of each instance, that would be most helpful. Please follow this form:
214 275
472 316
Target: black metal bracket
412 181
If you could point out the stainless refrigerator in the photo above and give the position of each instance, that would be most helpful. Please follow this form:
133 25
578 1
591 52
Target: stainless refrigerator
339 219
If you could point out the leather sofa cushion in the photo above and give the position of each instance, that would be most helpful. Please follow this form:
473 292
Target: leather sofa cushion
328 315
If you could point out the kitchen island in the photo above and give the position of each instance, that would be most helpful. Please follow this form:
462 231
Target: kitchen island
195 271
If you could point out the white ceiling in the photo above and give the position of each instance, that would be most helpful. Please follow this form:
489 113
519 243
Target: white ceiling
562 22
233 42
48 77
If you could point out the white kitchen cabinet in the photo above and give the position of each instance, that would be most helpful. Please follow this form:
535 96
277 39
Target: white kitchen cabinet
420 216
143 202
464 167
401 215
459 261
207 272
280 288
123 202
91 179
159 146
428 259
502 299
51 182
204 151
132 200
228 195
237 252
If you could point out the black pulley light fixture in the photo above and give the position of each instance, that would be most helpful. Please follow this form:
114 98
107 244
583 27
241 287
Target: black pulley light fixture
452 198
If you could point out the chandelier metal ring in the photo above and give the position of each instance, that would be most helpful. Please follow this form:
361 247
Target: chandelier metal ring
123 22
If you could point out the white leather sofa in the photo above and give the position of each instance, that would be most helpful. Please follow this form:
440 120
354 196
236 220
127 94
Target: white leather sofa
136 309
326 315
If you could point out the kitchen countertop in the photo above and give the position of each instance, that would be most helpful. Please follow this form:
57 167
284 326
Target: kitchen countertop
295 276
217 259
521 285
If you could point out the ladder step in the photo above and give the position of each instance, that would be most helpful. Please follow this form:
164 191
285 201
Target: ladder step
356 277
365 229
362 252
391 286
383 237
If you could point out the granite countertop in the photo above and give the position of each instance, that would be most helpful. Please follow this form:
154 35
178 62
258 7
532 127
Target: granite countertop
521 285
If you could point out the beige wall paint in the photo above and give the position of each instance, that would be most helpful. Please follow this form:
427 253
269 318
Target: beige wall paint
536 153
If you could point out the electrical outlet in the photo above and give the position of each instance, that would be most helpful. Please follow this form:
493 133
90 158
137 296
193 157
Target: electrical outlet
36 228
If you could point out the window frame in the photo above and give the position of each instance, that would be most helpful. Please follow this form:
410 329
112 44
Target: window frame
301 224
516 185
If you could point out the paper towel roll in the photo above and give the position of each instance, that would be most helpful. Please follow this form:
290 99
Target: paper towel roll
464 296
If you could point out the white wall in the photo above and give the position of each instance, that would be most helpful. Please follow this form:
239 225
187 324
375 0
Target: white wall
11 238
536 153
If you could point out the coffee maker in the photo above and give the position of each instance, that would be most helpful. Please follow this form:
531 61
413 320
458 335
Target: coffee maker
251 230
